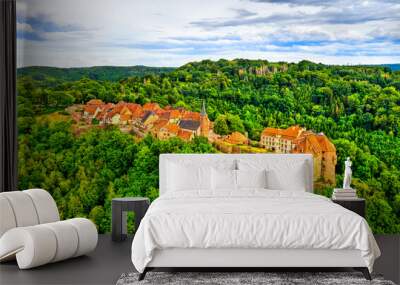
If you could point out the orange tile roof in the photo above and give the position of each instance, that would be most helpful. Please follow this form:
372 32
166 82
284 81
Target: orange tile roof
314 143
91 109
138 113
95 102
195 116
236 138
151 107
125 117
165 115
125 111
325 143
159 124
133 107
185 135
171 128
289 133
175 114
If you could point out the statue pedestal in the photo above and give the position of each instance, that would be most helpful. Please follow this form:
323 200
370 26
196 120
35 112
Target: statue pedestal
344 194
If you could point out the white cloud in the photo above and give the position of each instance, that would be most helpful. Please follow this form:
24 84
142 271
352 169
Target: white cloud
171 33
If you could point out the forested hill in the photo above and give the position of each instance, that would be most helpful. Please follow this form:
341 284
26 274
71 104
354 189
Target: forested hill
111 73
357 107
394 67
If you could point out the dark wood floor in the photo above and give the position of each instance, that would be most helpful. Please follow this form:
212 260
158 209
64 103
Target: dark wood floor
110 260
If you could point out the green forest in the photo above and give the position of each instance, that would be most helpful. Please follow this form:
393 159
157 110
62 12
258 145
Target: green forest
357 107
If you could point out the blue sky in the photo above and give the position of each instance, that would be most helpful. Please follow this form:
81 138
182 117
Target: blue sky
72 33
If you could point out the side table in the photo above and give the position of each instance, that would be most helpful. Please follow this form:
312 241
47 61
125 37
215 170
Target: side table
357 205
120 206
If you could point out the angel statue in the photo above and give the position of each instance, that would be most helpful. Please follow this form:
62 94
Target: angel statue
347 174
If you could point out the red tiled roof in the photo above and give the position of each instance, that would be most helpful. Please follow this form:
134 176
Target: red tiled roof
91 109
289 133
175 114
133 107
171 128
195 116
236 138
159 124
151 107
95 102
185 135
325 143
165 115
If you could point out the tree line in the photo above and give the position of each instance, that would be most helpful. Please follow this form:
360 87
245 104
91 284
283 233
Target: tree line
357 107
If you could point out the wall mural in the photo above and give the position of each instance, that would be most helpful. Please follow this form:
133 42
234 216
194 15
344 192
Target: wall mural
89 134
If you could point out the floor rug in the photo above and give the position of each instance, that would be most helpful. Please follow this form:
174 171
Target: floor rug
244 278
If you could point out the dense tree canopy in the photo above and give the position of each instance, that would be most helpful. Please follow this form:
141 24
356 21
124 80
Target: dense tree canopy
358 107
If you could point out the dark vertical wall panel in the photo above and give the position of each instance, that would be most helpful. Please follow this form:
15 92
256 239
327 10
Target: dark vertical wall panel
8 126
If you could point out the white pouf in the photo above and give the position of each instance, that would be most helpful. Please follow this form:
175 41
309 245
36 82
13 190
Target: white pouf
31 232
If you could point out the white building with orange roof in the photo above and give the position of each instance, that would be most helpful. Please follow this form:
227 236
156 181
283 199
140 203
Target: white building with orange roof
280 140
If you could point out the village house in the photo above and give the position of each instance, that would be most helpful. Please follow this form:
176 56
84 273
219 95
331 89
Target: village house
103 115
95 102
236 138
185 135
90 111
148 118
324 154
168 131
157 125
191 126
172 115
280 140
151 107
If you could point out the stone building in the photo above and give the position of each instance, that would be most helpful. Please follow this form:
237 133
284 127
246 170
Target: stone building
324 154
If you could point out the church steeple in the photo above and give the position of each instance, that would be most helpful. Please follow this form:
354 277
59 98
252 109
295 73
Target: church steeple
203 109
204 121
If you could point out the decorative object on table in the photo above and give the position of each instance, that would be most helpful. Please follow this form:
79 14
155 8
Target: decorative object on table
120 206
243 278
32 233
347 174
357 205
344 194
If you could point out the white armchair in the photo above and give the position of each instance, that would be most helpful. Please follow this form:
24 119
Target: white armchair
31 230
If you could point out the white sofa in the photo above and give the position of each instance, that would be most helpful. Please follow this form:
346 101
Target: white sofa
31 231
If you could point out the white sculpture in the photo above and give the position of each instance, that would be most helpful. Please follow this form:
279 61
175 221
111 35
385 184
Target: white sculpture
347 174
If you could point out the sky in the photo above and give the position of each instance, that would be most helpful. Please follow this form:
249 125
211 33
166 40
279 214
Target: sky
78 33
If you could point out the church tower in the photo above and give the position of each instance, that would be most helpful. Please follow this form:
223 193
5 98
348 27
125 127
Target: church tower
204 121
